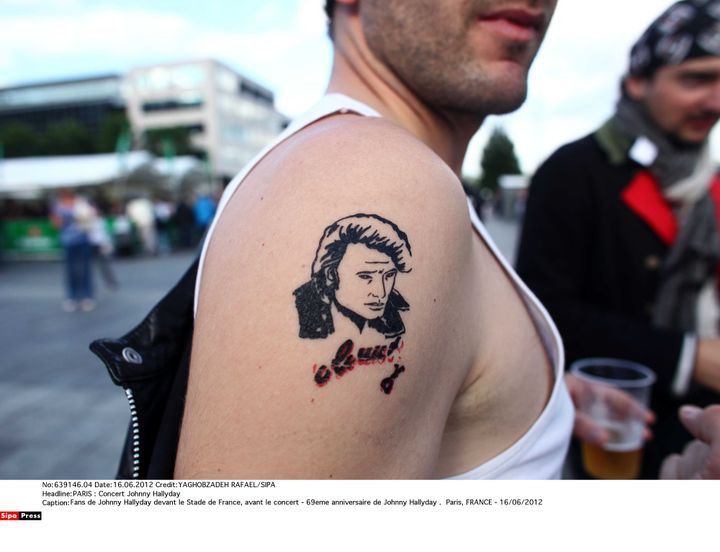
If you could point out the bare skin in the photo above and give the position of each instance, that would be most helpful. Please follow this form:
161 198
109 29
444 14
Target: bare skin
701 457
476 374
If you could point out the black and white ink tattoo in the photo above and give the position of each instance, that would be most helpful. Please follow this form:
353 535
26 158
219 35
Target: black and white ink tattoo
353 275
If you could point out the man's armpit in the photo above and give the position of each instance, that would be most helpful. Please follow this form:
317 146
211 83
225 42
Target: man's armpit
353 296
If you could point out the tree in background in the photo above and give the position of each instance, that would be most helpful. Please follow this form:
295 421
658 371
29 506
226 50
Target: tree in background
163 141
18 140
68 137
114 126
498 159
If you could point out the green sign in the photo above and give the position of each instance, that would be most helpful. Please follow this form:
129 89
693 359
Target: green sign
29 239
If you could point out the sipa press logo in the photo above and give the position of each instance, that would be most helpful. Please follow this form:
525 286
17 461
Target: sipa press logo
20 516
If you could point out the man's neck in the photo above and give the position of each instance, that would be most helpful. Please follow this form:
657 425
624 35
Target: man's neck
360 75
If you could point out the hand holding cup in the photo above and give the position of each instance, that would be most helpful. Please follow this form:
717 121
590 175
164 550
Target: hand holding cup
611 398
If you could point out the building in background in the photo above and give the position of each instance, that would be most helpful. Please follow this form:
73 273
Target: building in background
201 108
171 132
68 117
88 101
228 117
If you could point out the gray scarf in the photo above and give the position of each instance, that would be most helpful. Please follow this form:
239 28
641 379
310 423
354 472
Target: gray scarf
685 173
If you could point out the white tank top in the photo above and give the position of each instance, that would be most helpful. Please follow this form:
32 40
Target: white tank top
540 452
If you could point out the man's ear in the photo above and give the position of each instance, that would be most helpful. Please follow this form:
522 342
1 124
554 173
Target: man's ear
636 87
350 5
331 277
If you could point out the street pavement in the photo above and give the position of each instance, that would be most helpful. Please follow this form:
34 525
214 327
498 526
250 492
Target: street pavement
505 234
61 417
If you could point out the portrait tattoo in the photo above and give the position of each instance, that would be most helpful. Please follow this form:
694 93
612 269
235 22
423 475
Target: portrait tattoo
353 279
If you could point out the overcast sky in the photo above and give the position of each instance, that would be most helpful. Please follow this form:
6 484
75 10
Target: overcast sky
282 44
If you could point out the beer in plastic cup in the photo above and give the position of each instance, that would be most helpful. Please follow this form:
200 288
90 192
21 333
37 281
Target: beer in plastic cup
614 395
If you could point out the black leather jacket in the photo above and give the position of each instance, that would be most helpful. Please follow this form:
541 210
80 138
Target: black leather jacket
151 363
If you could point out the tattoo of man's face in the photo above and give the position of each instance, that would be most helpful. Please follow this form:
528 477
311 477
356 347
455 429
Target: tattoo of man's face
354 274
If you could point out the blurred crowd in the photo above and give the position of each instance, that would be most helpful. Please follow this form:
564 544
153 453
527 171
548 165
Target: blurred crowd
93 231
141 224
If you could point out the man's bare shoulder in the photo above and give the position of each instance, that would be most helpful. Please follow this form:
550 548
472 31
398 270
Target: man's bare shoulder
339 167
325 330
364 153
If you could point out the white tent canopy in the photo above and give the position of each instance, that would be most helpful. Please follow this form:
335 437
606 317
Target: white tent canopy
30 174
183 170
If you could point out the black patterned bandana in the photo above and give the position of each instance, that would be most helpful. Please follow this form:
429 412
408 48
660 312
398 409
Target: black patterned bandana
686 30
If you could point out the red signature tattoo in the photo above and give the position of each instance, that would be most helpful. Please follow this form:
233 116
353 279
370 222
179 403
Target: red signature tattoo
345 362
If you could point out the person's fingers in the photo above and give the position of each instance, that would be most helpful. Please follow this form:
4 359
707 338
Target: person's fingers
688 465
647 434
621 403
625 405
693 460
589 431
581 391
669 468
574 386
690 417
705 426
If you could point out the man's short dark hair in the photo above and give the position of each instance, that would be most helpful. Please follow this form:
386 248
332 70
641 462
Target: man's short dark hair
329 11
329 8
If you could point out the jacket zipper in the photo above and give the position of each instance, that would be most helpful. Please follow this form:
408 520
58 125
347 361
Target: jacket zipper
135 424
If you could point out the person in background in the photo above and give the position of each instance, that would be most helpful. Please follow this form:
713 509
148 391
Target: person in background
103 249
141 213
620 239
184 221
204 209
75 217
164 211
122 235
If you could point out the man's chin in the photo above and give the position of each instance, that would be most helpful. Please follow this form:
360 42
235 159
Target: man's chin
695 136
483 107
507 105
689 140
507 82
508 95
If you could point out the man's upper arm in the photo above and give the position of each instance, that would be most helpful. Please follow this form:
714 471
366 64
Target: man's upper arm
324 342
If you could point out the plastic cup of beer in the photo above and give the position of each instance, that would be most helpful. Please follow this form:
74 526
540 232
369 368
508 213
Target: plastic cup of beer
614 394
